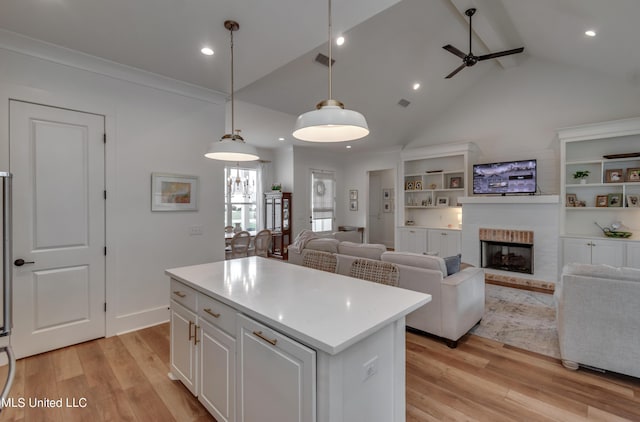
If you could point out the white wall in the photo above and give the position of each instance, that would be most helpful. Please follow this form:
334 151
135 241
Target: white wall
153 125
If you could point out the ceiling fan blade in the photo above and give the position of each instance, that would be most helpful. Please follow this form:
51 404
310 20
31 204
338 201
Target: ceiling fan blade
452 74
452 49
501 53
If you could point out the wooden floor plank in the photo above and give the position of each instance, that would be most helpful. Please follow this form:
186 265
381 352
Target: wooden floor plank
66 363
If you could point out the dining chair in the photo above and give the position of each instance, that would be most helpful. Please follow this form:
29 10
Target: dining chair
240 244
319 260
376 271
261 243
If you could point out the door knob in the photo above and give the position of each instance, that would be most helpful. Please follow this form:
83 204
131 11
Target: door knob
20 262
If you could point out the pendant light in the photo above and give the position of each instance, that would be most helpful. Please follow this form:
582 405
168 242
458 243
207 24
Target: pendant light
330 122
231 147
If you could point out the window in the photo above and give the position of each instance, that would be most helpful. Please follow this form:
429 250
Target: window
241 195
323 187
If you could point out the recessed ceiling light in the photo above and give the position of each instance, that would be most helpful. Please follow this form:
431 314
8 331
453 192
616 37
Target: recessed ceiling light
590 33
348 146
340 40
207 51
416 86
280 139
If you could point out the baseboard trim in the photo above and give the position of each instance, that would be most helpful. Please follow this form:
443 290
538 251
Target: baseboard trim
132 322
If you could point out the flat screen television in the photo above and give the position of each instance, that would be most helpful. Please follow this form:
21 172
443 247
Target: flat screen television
505 178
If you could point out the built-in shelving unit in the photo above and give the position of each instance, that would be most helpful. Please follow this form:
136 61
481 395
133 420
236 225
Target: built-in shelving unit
610 152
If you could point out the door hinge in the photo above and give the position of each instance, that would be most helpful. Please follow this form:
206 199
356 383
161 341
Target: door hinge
105 194
104 138
105 251
105 306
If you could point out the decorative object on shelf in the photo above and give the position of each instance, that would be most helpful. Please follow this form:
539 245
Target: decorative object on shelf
442 201
433 171
455 182
433 186
330 122
602 201
625 155
409 185
571 200
174 192
613 230
582 175
633 201
387 194
614 176
353 194
633 175
237 228
387 206
353 205
581 204
417 185
614 200
410 223
276 187
429 202
231 147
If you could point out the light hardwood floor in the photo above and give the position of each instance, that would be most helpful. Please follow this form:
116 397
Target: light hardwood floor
124 378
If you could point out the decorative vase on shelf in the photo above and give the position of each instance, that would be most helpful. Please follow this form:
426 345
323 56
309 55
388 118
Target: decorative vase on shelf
237 228
583 181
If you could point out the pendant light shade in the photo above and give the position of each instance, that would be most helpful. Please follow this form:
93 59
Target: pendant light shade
231 147
331 122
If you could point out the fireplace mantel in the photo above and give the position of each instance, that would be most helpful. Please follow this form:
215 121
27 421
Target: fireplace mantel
511 199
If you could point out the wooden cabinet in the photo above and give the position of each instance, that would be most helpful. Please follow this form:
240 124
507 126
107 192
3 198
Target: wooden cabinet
276 375
277 206
444 241
633 255
412 239
593 251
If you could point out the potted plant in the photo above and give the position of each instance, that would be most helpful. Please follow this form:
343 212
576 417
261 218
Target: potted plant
582 175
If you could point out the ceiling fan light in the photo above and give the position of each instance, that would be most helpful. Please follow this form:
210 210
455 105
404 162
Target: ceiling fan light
228 149
330 123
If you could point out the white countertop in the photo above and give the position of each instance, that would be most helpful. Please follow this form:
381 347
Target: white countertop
328 312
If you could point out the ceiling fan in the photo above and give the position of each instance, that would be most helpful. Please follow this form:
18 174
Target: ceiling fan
470 59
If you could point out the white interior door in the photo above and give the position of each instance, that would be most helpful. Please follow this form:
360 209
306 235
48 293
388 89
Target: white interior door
57 159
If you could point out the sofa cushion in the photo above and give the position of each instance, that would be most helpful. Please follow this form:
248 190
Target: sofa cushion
453 264
323 244
362 250
416 260
603 271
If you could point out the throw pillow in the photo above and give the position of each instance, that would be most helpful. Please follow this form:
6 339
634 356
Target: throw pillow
453 264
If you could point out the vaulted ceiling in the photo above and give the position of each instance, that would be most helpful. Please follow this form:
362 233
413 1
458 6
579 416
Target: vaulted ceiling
389 46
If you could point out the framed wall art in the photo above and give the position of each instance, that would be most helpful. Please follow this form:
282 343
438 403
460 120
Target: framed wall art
174 192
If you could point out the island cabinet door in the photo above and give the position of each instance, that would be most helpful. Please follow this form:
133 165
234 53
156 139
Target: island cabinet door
183 346
276 376
217 372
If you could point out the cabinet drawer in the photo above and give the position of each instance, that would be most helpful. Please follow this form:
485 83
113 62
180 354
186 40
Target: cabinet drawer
184 294
218 314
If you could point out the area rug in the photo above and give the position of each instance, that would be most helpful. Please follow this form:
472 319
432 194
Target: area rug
520 318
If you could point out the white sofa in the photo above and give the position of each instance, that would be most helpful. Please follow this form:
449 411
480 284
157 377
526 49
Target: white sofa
457 300
598 317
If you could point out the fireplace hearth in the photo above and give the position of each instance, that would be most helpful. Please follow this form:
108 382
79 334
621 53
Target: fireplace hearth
507 250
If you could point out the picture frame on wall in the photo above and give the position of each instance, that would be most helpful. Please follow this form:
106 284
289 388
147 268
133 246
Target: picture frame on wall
614 176
614 200
174 192
353 205
353 194
442 201
602 201
455 182
387 206
387 194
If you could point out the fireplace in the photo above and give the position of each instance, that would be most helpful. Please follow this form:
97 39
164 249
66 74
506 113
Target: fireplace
507 250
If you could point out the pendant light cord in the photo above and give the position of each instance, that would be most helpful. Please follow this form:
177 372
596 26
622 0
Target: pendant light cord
330 60
233 127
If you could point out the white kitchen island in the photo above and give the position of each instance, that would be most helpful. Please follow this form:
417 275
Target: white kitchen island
258 339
